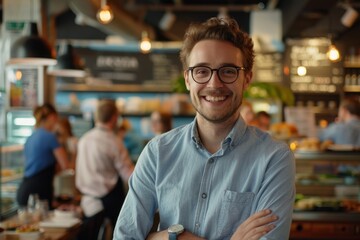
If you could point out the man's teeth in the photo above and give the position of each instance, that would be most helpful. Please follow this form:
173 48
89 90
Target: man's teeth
215 99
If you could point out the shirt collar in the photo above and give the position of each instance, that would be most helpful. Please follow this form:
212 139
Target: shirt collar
233 138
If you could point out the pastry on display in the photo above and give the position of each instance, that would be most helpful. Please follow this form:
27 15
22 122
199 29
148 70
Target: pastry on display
283 130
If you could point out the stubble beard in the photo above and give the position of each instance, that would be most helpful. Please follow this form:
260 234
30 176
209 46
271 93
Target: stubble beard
220 118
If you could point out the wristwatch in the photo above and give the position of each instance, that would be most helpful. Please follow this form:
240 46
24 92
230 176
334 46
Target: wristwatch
175 230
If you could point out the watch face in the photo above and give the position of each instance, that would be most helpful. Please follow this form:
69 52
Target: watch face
177 228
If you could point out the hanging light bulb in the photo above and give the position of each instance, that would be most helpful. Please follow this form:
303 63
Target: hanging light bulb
105 15
333 53
145 44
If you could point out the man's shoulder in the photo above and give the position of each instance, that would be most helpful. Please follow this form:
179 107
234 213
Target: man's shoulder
175 134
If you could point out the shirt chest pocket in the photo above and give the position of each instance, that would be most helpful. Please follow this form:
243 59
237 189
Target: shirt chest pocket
235 208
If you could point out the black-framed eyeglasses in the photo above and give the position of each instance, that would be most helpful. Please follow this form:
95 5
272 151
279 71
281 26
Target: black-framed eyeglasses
226 74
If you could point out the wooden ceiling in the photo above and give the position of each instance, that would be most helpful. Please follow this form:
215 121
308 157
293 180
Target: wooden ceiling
300 18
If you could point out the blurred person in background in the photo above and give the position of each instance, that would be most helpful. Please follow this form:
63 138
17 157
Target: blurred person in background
64 181
103 167
262 120
161 122
247 112
346 129
67 139
42 151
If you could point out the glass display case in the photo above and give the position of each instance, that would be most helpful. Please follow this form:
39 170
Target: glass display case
328 195
11 165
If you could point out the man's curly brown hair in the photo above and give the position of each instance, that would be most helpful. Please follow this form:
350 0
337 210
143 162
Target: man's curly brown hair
223 29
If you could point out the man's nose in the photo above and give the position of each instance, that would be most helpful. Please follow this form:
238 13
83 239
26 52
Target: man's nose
215 80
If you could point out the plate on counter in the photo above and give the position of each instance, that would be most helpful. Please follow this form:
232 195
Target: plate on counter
341 148
59 223
36 235
304 150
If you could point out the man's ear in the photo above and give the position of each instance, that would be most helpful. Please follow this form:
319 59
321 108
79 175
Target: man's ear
248 79
186 77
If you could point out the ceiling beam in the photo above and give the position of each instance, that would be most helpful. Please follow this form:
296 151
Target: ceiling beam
192 7
291 9
123 23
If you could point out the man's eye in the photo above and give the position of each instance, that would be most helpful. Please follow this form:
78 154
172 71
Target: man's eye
201 71
229 71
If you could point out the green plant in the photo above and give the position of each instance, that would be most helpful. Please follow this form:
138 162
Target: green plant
264 90
178 85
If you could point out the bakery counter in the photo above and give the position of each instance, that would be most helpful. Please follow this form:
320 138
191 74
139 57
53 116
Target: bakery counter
11 165
326 216
325 225
328 188
334 156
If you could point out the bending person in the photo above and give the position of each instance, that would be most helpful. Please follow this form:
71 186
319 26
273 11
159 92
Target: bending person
42 151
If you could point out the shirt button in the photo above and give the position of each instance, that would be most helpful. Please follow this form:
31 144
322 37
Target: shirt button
204 195
197 225
211 160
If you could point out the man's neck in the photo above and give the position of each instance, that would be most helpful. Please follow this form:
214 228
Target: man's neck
213 134
107 126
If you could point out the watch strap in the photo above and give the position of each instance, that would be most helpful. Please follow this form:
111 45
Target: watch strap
172 236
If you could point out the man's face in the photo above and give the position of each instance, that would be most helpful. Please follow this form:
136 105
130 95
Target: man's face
264 123
342 114
216 101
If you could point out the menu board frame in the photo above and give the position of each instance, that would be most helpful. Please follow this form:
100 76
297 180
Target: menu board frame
322 76
25 86
118 66
268 67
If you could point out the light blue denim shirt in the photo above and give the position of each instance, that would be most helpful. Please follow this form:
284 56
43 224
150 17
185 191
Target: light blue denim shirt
209 194
343 133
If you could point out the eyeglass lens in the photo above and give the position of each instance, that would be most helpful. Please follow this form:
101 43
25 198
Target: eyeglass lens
227 74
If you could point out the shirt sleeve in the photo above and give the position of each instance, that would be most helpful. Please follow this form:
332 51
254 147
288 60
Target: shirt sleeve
53 141
278 192
328 133
136 217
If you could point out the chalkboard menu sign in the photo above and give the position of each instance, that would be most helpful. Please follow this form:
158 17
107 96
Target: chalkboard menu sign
309 69
25 86
122 67
268 67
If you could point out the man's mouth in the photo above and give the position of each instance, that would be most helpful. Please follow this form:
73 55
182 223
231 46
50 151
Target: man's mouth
215 98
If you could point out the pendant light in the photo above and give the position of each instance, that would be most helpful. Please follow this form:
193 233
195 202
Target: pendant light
145 44
31 50
333 53
68 63
105 14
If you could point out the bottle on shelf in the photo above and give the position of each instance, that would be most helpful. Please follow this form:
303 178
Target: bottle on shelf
353 78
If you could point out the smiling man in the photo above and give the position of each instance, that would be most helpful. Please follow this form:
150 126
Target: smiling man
215 178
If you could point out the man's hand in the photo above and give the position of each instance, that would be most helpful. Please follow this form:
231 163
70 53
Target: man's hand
163 235
255 226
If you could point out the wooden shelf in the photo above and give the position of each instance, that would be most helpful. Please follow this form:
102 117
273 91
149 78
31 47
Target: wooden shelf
8 147
114 88
329 156
352 64
11 178
352 88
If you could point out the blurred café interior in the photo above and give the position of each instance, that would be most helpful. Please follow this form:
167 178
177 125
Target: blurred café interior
80 51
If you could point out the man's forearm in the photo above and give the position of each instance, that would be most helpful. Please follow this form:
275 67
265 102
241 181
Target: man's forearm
163 235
